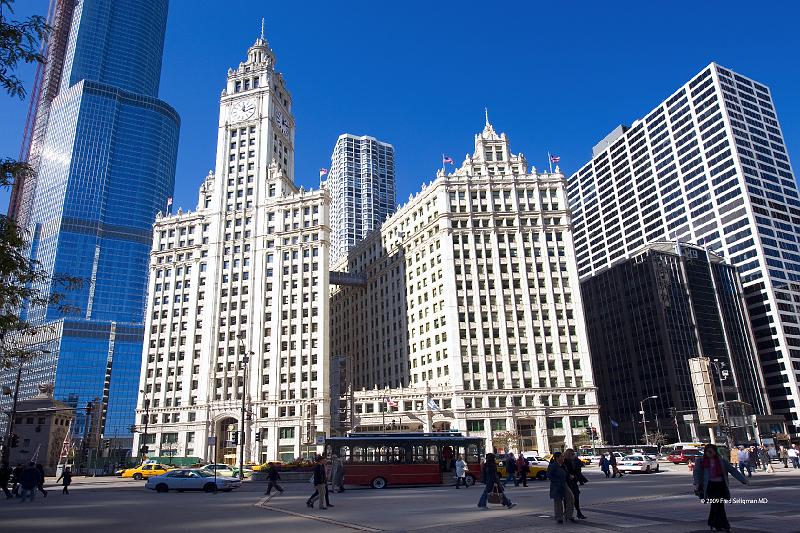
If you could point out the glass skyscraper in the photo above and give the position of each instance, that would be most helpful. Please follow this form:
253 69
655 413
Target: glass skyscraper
106 167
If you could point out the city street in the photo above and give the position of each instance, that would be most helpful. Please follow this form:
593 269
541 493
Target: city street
657 502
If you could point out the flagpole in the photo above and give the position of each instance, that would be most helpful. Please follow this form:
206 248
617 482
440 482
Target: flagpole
442 162
550 161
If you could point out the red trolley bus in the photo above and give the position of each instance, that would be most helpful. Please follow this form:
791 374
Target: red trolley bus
381 459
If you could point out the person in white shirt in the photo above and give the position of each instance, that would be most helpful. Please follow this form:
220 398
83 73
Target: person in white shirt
794 457
744 461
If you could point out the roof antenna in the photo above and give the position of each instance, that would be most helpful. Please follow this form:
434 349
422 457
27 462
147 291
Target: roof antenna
262 28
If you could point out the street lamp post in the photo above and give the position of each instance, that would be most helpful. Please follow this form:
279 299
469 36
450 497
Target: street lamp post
644 419
244 360
13 414
143 446
719 366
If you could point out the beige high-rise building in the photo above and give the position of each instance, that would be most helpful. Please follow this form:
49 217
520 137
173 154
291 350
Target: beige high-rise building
464 311
240 288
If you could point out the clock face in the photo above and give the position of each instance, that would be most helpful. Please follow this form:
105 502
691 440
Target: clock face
282 122
243 110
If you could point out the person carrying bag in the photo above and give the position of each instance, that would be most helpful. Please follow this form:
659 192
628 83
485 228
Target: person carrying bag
711 485
493 491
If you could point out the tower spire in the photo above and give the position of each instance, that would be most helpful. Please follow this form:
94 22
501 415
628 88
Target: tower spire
486 112
262 28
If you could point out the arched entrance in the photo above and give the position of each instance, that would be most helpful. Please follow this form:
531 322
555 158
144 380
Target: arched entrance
226 449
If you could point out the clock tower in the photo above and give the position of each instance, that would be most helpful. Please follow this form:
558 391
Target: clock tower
256 127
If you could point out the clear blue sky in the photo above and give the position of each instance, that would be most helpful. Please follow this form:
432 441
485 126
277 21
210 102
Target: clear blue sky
555 76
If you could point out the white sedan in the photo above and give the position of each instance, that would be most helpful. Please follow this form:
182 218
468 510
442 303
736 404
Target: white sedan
638 463
535 460
221 468
194 479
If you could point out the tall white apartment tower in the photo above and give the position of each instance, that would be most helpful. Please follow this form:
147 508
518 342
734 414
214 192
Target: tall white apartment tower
362 189
707 166
237 313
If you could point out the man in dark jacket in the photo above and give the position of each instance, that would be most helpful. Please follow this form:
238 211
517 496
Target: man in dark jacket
563 499
40 486
5 477
29 480
523 468
575 478
272 479
320 481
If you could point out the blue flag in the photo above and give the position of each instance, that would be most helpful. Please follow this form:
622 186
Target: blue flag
614 423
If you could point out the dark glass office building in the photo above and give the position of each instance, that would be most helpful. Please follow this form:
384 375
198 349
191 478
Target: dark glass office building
646 317
105 168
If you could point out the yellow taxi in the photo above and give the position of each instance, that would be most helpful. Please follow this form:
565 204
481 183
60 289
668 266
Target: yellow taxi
585 460
535 469
146 470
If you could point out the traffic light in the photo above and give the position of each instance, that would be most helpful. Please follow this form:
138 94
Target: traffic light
107 443
589 432
673 412
235 437
14 440
258 436
145 448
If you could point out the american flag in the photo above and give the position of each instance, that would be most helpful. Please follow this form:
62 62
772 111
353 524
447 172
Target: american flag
391 402
555 158
323 172
446 159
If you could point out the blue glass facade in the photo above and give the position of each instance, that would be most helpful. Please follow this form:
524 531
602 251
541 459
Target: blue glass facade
107 167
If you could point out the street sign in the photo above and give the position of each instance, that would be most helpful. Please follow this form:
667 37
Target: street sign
212 441
320 440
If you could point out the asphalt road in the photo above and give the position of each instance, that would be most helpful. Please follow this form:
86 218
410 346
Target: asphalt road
657 502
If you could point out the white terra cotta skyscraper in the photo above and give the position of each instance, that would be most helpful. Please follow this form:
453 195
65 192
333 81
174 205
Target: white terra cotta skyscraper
240 288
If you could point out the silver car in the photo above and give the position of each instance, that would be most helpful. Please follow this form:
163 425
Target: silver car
192 479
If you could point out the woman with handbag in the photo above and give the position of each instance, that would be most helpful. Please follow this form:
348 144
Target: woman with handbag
711 485
493 490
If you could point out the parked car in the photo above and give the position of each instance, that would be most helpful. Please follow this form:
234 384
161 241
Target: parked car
684 456
221 469
638 463
145 471
191 479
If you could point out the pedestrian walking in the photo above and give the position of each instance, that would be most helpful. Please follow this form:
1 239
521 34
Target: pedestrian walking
16 476
784 456
711 485
604 465
5 477
320 485
766 460
66 480
755 461
744 461
337 473
40 487
523 469
612 460
273 476
794 456
575 478
492 484
511 469
29 480
563 499
461 472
